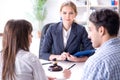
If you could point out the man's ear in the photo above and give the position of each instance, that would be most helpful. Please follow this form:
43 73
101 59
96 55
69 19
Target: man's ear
101 30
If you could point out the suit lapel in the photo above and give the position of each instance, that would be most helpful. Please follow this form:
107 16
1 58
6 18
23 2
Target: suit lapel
59 36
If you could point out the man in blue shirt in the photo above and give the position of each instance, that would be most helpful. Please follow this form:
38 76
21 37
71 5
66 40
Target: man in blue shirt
105 63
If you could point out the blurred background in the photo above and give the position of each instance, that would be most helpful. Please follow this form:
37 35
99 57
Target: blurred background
41 12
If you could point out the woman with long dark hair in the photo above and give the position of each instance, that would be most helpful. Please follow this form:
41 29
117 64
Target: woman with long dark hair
16 62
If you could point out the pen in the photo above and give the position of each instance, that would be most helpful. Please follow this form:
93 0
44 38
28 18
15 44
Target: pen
47 63
71 66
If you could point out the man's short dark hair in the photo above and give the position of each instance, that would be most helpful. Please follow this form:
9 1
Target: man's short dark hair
107 18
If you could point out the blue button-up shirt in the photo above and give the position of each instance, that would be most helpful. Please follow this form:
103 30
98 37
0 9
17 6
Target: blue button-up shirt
105 63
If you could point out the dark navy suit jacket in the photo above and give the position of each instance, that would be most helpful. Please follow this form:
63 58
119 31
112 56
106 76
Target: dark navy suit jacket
53 40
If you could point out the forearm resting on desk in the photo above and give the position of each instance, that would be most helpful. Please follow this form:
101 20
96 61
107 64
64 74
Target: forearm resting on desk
70 58
82 59
77 59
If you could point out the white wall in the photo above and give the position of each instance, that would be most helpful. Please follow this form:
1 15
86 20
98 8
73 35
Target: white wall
22 9
13 9
53 7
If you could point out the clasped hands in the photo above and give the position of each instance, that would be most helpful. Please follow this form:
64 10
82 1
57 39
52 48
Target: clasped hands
67 56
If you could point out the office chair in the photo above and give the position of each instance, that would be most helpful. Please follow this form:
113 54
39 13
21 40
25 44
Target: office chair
44 30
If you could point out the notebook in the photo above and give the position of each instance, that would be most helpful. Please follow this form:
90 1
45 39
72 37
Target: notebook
84 53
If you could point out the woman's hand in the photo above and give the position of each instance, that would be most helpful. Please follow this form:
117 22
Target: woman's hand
63 56
66 73
76 59
51 78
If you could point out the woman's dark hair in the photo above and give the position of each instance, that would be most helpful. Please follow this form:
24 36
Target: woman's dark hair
15 37
107 18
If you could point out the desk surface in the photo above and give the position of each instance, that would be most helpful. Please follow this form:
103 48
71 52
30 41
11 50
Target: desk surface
76 70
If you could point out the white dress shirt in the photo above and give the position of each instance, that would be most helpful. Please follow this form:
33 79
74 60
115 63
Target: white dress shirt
66 35
27 67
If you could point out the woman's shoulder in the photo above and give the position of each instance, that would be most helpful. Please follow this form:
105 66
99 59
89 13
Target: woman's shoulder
26 55
56 23
78 25
80 28
55 26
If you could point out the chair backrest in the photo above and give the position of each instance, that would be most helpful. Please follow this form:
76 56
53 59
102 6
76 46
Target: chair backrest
44 30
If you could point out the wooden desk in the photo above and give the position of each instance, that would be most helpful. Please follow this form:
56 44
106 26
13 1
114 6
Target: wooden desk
76 70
